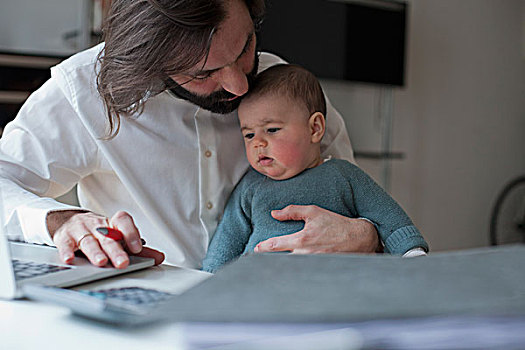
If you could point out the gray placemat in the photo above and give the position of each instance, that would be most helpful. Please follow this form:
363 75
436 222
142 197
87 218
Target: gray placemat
347 288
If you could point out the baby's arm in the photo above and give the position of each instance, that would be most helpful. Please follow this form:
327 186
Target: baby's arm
395 228
231 235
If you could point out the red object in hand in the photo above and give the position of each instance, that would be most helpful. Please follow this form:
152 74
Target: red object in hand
112 233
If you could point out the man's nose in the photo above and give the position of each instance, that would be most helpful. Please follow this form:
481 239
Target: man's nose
234 80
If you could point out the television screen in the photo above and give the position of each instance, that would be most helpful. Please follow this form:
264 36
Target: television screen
359 41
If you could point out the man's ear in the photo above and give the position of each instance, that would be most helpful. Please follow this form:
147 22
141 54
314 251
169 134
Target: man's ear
317 126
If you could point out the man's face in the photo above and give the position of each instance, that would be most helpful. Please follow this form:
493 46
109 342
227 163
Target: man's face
218 82
221 101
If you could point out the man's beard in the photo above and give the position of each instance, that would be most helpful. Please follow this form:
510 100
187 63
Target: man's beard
216 102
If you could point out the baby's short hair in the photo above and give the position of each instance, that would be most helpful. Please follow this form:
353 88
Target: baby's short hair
292 81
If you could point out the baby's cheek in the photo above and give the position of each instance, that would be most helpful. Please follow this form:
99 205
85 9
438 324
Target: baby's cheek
290 155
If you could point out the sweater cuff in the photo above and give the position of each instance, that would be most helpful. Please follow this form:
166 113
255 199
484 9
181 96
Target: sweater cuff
404 239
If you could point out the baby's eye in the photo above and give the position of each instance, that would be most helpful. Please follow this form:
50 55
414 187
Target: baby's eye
249 135
273 130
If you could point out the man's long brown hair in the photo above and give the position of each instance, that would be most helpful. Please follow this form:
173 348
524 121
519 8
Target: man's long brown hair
146 41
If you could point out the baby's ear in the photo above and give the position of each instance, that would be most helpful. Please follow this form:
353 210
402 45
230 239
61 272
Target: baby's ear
317 126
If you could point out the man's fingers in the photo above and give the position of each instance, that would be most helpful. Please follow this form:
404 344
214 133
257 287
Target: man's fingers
114 250
98 249
124 223
294 212
66 247
88 244
79 231
279 244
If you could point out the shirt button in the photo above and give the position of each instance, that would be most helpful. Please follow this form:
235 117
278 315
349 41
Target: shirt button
207 154
209 205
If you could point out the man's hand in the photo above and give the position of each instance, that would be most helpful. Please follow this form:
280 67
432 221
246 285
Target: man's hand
76 230
323 232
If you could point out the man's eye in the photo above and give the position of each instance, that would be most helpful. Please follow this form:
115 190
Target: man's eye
202 76
248 45
249 136
273 130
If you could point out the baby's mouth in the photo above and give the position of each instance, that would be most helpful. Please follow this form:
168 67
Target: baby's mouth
264 161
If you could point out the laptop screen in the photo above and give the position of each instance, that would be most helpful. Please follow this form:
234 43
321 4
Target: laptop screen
8 285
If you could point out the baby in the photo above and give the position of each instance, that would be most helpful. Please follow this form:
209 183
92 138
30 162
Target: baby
283 121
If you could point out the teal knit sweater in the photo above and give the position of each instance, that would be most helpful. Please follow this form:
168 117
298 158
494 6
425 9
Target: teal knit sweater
335 185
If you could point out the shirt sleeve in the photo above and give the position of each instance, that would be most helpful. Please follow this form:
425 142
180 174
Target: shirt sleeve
43 154
232 234
412 253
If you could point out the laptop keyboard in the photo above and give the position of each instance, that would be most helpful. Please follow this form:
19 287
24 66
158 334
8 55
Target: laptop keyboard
27 269
130 295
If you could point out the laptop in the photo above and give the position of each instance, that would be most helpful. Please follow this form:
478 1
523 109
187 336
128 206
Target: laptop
23 264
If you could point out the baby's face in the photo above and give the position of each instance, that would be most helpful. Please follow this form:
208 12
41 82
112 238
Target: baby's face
277 136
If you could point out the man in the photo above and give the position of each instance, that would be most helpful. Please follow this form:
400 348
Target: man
146 126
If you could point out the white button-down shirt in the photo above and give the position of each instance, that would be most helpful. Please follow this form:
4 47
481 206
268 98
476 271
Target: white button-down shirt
172 168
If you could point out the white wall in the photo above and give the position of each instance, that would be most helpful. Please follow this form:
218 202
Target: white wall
38 26
460 119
